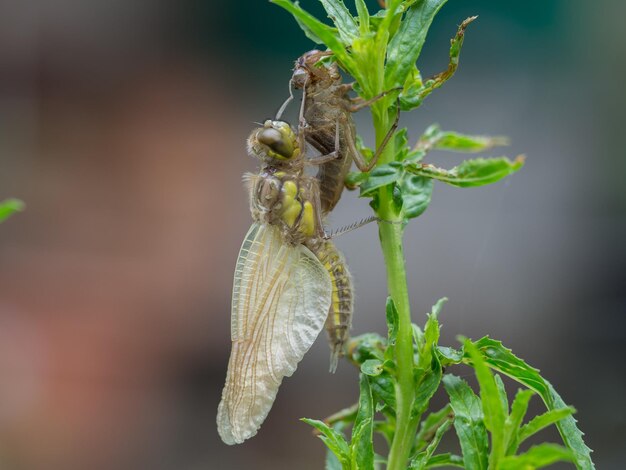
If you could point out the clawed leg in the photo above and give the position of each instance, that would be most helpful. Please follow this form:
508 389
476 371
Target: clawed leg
357 104
359 160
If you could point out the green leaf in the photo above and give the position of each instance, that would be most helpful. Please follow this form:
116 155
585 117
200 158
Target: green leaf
340 15
503 360
543 421
431 335
391 313
364 17
354 179
372 367
361 446
502 393
514 420
429 426
319 32
477 172
416 193
445 460
421 460
538 456
436 139
468 422
415 93
366 346
406 45
426 384
381 176
384 392
494 409
9 207
332 462
334 440
449 356
372 346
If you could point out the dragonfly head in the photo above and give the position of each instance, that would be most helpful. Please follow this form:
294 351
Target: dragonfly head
275 141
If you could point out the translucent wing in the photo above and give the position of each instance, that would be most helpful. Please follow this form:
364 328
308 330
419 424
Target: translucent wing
281 298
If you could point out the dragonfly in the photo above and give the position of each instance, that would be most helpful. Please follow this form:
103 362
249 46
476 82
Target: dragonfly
289 279
326 124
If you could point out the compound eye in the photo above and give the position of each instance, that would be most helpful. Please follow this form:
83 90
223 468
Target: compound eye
273 139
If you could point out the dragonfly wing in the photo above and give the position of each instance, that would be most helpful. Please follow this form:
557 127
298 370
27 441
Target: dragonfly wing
281 298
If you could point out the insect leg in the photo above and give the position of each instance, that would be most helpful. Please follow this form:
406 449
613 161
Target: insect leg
360 161
357 104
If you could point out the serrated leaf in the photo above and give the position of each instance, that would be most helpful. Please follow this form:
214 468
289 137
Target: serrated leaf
538 456
361 446
341 16
416 193
514 420
445 460
429 426
503 360
372 367
381 176
318 31
406 45
490 397
436 139
468 422
543 421
334 440
413 96
470 173
9 207
420 461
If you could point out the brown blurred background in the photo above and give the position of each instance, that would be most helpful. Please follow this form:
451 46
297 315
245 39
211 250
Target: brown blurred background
122 126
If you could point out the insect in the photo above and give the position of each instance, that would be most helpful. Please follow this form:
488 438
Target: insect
326 124
288 280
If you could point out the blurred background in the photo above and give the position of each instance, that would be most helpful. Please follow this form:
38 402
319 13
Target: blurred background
123 127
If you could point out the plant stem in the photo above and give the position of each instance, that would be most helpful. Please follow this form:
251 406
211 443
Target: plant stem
391 230
391 241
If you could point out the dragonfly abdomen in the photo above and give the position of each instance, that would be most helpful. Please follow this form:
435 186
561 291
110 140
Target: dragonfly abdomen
339 318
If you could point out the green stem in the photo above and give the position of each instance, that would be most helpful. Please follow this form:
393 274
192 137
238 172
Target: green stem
391 230
391 241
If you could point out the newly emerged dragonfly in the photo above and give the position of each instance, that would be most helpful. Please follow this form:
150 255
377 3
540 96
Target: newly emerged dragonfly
288 280
327 125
